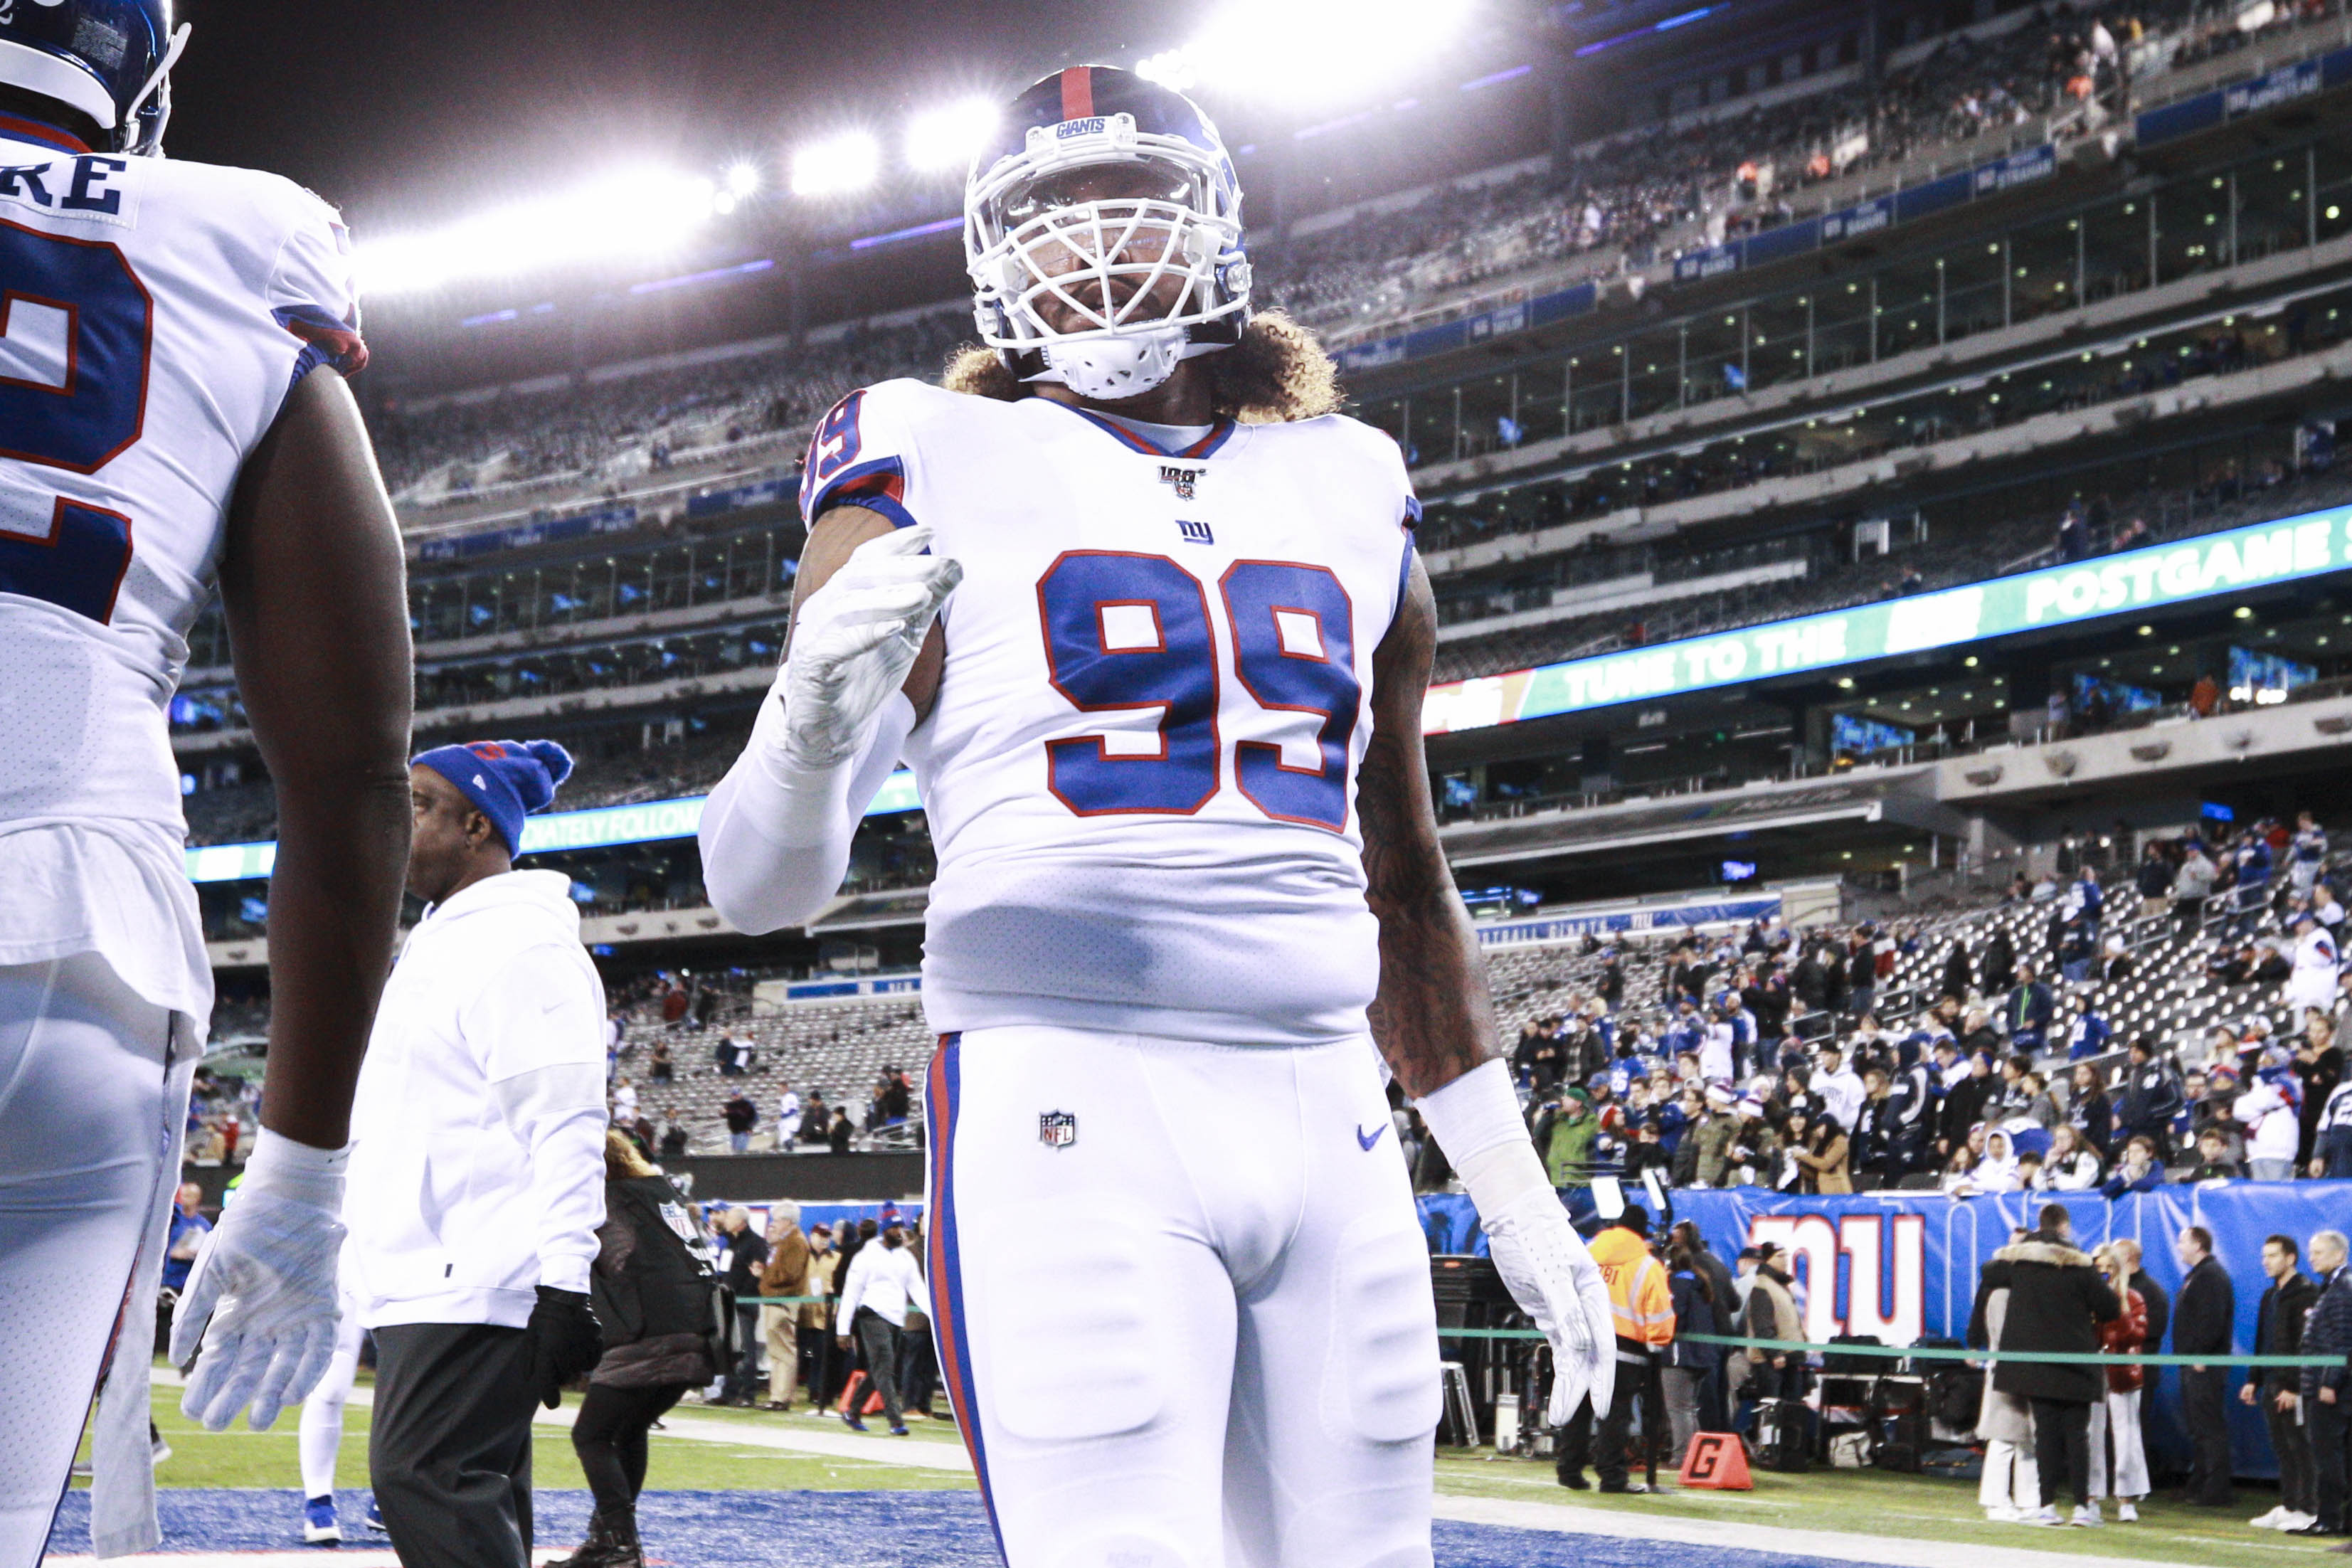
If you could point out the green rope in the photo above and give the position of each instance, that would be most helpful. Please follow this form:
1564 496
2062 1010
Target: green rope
1945 1353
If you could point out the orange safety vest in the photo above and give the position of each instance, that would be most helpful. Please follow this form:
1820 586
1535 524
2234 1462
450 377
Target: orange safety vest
1638 1298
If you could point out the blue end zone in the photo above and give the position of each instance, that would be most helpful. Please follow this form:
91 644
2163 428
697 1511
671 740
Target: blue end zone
823 1530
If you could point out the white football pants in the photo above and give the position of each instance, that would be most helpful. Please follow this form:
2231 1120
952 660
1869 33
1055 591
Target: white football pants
323 1412
1182 1301
86 1123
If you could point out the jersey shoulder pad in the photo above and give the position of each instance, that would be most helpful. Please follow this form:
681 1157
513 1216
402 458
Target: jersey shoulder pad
1370 444
866 449
302 251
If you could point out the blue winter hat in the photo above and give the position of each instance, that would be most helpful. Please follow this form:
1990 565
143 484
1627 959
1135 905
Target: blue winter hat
506 779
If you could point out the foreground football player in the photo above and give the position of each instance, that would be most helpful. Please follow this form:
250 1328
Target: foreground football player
1144 614
159 427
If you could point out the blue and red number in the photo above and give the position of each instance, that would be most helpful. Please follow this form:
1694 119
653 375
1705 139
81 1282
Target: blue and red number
1125 632
1294 649
80 415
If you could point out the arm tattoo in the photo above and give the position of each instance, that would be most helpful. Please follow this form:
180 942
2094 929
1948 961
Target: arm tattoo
1434 1018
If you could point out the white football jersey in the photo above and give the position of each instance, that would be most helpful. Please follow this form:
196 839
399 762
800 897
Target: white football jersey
1140 775
156 313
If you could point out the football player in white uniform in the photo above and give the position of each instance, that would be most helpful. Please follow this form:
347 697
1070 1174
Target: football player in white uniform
160 430
1144 615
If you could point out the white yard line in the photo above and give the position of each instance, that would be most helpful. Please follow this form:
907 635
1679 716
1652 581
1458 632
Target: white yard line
1837 1545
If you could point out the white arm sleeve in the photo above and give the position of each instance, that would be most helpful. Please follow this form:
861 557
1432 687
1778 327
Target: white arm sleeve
775 839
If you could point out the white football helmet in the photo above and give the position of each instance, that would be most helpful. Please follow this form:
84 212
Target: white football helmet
1103 235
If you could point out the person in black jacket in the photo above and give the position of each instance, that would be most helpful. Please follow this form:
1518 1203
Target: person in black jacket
2057 1299
2203 1323
656 1296
1957 977
2327 1391
2278 1330
1713 1398
746 1252
2151 1094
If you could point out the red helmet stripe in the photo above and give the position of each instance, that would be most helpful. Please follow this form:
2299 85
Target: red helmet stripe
1077 93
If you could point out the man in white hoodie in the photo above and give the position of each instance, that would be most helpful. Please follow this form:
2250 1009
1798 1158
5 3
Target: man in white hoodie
478 1173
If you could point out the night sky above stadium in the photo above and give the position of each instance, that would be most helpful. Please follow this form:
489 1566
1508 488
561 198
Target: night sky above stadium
409 112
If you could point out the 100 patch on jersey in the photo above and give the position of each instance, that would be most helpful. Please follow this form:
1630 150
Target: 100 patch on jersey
1129 632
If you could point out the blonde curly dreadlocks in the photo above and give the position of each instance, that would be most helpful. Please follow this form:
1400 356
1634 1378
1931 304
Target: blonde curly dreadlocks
1277 374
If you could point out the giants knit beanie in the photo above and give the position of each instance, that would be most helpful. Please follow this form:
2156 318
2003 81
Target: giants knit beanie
506 779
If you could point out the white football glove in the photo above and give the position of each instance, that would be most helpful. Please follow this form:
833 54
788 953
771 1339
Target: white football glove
853 642
262 1293
1542 1260
1552 1277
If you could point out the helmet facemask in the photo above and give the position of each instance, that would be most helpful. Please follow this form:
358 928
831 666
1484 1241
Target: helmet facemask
1102 259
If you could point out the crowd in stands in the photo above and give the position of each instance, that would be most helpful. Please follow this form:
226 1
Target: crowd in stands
1708 179
2078 1036
1620 197
590 429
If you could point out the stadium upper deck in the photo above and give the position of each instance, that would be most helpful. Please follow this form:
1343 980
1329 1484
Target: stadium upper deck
2151 347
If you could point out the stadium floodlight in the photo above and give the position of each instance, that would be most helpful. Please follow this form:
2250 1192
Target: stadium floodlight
1171 68
836 165
949 136
742 179
1304 51
637 211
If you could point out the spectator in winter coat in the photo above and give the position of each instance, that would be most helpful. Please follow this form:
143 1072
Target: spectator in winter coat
2090 1112
2000 963
653 1296
785 1273
2203 1324
2074 1166
2057 1300
741 1117
1772 1314
1712 1140
2325 1392
2312 980
746 1252
2151 1095
2008 1489
2318 1069
2273 1125
2155 880
2028 1010
1564 1132
2275 1390
1821 1156
1688 1364
2124 1478
1957 978
2193 885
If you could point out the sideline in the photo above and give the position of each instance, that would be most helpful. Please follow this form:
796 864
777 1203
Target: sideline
1830 1546
1563 1518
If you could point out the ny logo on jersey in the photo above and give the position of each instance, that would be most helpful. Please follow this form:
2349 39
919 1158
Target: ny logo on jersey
1194 532
1056 1129
1180 480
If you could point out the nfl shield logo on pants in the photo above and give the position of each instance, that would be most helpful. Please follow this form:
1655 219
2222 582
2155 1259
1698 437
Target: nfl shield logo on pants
1057 1128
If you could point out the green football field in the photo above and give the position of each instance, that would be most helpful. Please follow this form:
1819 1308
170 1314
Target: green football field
1864 1502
